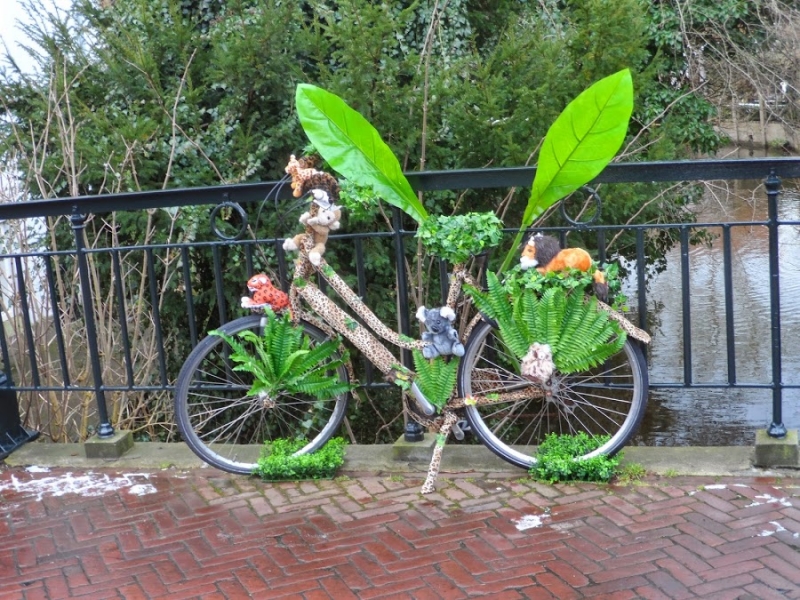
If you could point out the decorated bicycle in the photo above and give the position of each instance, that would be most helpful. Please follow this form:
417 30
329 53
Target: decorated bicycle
540 349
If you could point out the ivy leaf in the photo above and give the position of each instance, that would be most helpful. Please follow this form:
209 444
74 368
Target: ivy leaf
353 147
581 142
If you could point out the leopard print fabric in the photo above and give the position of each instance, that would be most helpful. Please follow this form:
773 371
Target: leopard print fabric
358 306
627 326
450 419
361 338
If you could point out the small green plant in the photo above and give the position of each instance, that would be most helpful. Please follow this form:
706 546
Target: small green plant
282 360
557 461
631 473
579 335
456 238
671 473
279 461
435 378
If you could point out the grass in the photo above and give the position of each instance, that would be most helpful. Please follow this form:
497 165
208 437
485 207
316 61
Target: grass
631 473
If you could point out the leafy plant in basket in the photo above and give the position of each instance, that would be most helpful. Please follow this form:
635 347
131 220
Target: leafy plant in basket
579 335
518 281
578 146
283 361
456 238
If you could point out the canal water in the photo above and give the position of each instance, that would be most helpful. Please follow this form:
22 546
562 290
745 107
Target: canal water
713 417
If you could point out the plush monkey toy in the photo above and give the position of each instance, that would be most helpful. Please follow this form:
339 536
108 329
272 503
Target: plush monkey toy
323 216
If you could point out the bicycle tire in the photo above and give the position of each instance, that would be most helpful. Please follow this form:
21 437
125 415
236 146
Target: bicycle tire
608 400
225 427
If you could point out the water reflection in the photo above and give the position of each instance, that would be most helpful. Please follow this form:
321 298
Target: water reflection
723 416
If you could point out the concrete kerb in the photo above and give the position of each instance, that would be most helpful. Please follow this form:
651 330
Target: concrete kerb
708 461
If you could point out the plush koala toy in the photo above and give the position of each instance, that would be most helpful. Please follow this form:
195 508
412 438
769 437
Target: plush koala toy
441 337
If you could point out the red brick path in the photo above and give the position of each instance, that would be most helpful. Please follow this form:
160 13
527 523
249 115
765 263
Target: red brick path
202 534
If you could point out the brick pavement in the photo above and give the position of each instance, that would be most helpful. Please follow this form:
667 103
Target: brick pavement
202 534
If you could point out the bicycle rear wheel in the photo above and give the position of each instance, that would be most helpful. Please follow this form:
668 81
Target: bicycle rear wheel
609 400
226 427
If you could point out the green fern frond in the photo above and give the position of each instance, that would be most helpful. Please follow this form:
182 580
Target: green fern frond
580 335
435 378
283 361
496 304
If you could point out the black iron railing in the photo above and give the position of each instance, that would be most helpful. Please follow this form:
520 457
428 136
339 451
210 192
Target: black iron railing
18 327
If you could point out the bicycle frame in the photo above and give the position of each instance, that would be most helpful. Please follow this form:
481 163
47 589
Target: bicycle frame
328 316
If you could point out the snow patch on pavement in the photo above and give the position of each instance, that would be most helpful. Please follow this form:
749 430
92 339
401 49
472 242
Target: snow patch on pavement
88 485
530 522
767 499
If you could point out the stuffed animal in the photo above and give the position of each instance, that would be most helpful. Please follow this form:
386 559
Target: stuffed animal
537 365
264 293
544 252
441 337
323 216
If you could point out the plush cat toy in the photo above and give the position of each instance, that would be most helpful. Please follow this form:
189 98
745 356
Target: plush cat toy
323 216
544 252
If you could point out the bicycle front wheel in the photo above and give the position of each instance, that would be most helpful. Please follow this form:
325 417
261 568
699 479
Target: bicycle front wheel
609 400
225 426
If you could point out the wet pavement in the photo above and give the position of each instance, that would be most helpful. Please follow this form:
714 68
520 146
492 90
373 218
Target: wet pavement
198 533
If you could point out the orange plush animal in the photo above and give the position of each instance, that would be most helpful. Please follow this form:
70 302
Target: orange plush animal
264 293
545 253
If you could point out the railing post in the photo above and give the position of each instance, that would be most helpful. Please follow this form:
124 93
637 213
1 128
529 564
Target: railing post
78 221
773 184
413 430
402 282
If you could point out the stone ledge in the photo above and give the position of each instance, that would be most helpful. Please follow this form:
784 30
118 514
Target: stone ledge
777 452
711 461
109 447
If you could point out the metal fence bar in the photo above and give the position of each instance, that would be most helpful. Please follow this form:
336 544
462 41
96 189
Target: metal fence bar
61 347
104 428
22 292
402 282
123 320
773 184
730 332
686 307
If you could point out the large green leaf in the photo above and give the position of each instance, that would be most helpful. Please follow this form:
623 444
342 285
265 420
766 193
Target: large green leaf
581 142
353 147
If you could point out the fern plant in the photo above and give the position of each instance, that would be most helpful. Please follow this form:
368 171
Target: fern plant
580 335
283 361
435 378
